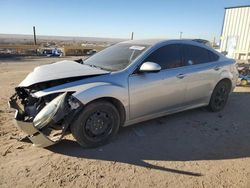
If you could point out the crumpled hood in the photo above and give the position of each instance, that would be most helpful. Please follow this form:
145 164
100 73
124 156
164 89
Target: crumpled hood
59 70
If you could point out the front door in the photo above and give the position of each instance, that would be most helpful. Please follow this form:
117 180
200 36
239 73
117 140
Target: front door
152 93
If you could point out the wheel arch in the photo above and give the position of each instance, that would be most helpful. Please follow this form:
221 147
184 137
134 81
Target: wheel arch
227 80
115 94
117 103
211 105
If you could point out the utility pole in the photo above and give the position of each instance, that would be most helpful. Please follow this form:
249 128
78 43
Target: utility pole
214 41
34 32
132 35
181 35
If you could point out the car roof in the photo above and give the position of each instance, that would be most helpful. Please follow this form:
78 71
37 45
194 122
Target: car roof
152 42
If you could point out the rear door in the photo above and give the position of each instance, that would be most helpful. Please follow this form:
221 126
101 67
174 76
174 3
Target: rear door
152 93
202 71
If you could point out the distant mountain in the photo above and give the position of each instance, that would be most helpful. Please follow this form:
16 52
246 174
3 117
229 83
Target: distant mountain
12 38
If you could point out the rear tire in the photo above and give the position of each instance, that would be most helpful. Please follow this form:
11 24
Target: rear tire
219 96
96 124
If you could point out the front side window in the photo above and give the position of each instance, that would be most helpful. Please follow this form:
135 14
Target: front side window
116 57
197 55
167 57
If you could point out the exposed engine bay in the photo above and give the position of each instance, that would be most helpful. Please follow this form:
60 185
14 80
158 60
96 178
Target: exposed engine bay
45 119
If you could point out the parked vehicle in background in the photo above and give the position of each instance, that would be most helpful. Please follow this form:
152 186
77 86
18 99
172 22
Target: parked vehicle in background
124 84
53 52
91 52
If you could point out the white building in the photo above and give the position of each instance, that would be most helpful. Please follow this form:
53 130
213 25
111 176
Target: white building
235 35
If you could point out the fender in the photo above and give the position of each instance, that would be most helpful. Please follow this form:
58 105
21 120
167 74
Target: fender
69 87
226 74
230 73
88 92
230 76
102 90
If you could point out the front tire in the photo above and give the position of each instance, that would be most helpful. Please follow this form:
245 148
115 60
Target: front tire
219 96
96 124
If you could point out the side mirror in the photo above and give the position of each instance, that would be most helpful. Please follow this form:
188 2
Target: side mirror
150 67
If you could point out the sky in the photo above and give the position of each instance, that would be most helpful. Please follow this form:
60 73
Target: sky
116 18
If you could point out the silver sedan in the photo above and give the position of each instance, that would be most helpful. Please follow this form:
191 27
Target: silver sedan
124 84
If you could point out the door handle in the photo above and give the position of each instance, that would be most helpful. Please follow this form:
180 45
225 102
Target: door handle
217 68
180 76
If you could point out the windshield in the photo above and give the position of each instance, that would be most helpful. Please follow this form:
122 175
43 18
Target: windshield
116 57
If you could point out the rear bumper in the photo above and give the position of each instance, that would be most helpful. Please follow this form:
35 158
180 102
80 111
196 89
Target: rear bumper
35 136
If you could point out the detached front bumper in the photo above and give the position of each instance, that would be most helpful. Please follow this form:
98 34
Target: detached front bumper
36 136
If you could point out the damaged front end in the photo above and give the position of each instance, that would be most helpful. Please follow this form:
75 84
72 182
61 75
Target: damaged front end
45 120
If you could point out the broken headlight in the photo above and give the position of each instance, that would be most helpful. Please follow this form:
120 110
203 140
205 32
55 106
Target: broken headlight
45 116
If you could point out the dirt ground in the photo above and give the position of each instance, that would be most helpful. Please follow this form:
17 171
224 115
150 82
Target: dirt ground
190 149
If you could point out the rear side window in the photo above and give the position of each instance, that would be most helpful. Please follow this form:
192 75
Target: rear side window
213 56
197 55
167 57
